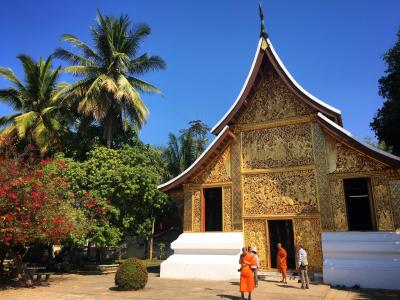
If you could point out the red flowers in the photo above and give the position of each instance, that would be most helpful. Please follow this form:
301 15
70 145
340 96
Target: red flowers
8 217
39 174
91 204
13 196
57 221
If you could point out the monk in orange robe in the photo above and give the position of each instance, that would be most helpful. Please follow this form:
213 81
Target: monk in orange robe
281 262
246 274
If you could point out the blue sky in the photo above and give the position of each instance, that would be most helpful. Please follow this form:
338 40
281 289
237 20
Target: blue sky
332 48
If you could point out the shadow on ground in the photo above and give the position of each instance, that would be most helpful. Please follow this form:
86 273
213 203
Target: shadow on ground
154 270
229 297
370 294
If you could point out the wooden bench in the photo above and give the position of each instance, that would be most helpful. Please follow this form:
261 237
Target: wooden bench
40 274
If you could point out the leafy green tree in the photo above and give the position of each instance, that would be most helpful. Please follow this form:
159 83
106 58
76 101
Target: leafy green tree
128 177
109 86
182 151
37 103
387 119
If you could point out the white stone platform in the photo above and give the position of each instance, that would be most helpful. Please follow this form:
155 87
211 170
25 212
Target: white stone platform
204 255
367 259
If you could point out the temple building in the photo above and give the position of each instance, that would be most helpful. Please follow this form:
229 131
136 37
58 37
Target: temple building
283 169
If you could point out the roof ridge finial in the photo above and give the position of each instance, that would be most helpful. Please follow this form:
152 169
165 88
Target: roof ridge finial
263 32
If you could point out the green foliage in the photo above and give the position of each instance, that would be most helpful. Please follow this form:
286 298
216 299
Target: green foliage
182 151
38 105
128 177
108 90
131 275
387 119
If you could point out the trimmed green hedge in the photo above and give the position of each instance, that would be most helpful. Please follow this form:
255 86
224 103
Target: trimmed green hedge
131 275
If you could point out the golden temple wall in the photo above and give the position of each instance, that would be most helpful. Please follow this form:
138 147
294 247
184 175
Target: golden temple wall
283 166
216 174
345 162
283 175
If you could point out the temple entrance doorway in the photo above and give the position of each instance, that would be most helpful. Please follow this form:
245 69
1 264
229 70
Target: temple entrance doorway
281 231
213 209
358 204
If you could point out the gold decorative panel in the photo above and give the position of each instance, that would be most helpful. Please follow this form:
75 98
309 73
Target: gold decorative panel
307 233
236 186
255 234
273 100
383 208
321 168
187 210
338 204
395 193
349 160
219 170
285 146
227 208
280 193
197 208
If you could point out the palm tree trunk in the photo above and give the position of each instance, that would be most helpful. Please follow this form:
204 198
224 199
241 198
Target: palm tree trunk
108 127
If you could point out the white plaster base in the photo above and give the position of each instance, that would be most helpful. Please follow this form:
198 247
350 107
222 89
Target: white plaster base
208 256
367 259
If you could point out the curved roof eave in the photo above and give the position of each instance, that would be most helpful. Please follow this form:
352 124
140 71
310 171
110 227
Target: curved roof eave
298 86
174 182
378 154
330 110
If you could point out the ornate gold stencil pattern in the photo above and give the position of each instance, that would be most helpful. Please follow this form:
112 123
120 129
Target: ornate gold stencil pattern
273 100
308 234
227 208
280 193
255 235
285 146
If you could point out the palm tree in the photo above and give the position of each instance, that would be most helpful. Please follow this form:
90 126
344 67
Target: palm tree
108 73
182 151
36 103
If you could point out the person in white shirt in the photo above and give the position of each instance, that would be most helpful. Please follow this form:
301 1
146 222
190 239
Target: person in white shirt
255 268
303 267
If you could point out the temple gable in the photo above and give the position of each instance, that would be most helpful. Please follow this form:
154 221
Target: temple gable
273 100
217 171
343 159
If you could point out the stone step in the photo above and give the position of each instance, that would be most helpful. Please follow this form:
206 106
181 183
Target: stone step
275 276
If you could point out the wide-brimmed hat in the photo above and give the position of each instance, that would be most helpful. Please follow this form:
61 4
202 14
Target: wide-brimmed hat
254 249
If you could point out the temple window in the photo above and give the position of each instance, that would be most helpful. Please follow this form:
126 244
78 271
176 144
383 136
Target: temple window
358 204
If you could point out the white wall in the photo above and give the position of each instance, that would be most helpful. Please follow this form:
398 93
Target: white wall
205 255
367 259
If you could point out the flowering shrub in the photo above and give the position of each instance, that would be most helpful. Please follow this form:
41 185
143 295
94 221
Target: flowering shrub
36 204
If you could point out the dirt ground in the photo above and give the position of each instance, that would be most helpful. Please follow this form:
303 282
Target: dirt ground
73 286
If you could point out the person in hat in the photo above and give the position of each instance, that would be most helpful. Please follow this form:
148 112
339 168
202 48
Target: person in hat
256 266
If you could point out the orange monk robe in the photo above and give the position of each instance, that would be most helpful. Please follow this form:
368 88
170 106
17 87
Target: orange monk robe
281 260
246 274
